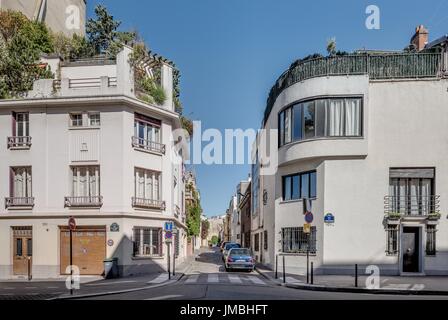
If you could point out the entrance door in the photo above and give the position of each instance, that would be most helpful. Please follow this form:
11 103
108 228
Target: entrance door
411 249
89 249
22 250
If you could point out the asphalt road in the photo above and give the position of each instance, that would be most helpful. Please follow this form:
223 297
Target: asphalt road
207 279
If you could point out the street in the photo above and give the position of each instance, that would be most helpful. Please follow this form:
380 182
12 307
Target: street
207 279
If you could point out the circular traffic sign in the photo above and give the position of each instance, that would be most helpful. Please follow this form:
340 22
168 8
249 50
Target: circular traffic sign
72 223
168 235
309 217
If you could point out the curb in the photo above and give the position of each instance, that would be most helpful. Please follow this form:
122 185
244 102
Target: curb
311 287
98 294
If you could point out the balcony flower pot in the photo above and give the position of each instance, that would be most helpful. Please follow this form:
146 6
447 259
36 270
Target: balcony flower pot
434 216
394 216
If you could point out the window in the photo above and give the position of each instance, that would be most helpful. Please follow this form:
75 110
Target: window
392 239
257 242
21 124
94 119
329 117
86 181
176 245
21 182
411 191
299 186
29 247
76 119
147 129
265 238
147 241
147 184
294 240
19 248
431 240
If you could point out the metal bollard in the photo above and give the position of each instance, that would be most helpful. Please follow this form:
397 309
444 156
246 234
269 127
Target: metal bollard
276 266
284 273
356 275
29 269
312 273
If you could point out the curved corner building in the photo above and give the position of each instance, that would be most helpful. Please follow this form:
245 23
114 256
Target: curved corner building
362 144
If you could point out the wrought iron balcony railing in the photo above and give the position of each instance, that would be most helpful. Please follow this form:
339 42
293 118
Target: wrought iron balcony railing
396 206
148 203
19 202
376 66
19 142
148 145
83 202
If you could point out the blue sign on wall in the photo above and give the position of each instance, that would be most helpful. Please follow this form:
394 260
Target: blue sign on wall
309 217
169 226
329 218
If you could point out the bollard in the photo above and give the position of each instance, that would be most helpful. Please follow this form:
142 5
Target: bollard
356 275
29 269
276 266
284 273
312 273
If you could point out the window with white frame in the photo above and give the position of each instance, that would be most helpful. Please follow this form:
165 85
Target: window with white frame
85 119
147 184
21 182
21 124
86 181
147 241
147 130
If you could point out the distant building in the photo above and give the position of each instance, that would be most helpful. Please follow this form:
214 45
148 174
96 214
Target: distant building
66 16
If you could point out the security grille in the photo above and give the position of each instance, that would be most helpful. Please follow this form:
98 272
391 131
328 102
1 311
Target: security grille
392 239
294 240
431 240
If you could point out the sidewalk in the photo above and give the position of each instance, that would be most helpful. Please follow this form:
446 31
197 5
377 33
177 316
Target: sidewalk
418 285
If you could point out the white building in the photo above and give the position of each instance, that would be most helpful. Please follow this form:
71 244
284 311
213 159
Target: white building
84 146
234 227
66 16
361 145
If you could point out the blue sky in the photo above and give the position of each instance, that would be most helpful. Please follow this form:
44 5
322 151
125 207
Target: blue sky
231 52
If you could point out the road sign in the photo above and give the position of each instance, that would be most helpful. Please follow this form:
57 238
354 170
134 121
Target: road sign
169 226
329 218
306 228
309 217
72 223
168 235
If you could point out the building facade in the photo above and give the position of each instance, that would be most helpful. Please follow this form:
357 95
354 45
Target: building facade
66 16
360 145
84 146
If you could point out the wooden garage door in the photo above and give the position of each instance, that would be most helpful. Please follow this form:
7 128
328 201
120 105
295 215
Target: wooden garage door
89 249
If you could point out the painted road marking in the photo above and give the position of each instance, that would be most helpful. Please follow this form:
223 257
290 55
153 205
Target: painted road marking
213 278
161 278
165 297
192 279
234 279
30 287
256 280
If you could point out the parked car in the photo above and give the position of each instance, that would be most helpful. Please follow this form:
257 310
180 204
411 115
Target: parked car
240 258
223 244
227 247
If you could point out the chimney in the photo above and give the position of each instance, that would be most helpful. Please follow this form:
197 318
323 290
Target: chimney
420 38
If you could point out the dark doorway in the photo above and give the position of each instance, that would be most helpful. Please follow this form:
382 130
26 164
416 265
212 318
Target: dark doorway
411 249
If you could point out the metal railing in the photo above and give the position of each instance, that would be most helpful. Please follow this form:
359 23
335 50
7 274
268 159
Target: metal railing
376 66
12 202
19 142
148 203
148 145
83 202
396 206
90 61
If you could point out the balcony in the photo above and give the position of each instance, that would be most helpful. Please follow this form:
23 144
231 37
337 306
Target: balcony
396 207
148 203
147 145
19 142
376 66
83 202
19 202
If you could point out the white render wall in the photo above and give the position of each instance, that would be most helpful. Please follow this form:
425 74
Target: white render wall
404 125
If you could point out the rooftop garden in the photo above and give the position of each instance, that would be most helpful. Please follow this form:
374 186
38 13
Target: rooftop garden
23 42
376 64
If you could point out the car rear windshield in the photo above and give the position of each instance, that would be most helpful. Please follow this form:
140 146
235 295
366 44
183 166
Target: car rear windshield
232 245
240 252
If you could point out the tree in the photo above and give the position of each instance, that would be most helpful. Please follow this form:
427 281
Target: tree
215 240
205 229
21 43
331 46
103 33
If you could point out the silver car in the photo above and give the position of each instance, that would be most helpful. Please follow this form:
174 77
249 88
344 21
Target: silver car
240 258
